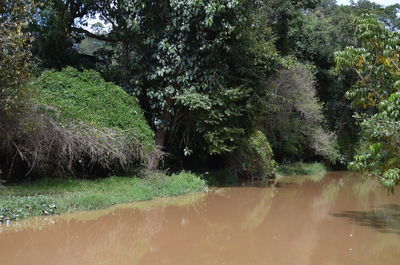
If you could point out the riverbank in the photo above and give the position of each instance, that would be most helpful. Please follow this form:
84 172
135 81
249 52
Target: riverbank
49 197
300 168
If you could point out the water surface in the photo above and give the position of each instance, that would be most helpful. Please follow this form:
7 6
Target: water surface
336 220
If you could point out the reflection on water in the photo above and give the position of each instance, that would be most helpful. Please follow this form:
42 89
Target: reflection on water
333 220
384 218
260 211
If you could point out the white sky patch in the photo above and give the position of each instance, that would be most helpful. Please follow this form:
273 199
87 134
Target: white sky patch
91 21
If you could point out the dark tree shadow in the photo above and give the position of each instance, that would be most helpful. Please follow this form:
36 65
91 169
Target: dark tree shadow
269 183
385 219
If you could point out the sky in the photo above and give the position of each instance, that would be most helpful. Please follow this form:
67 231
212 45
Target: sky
381 2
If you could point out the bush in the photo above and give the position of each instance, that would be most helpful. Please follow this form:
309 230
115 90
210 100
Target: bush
85 97
254 159
108 124
81 124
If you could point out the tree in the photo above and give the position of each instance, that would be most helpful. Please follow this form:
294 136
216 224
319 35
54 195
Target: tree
377 64
197 68
282 14
15 56
295 124
388 14
15 72
314 38
56 26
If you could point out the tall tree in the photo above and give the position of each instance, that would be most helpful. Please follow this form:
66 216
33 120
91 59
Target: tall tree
281 16
15 72
57 28
197 68
15 56
295 124
377 93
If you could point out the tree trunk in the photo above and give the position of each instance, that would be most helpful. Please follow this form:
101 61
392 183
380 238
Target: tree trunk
161 133
125 63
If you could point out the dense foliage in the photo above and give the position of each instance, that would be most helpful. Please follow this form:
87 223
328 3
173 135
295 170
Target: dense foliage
15 56
15 71
296 124
77 97
97 122
377 94
222 85
196 66
254 159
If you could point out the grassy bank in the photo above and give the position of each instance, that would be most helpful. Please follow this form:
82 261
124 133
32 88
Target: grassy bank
48 197
300 168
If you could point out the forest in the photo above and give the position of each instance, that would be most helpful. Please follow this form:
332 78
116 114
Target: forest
97 88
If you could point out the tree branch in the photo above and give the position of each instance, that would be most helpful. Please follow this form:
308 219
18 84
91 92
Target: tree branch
95 36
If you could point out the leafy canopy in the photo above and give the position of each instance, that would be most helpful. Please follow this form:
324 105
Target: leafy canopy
196 67
377 93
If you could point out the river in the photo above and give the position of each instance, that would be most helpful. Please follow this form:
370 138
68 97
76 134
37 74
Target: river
336 219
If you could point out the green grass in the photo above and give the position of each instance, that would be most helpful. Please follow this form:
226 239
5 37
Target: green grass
48 197
300 168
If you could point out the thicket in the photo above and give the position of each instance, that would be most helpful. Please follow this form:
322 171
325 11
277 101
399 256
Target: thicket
102 124
80 124
197 68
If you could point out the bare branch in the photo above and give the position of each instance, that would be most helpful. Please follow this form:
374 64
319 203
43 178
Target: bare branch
95 36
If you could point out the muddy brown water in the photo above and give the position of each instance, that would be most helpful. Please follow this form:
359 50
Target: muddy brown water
339 219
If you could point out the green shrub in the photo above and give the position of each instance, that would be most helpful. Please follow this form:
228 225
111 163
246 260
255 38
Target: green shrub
254 159
85 97
81 122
